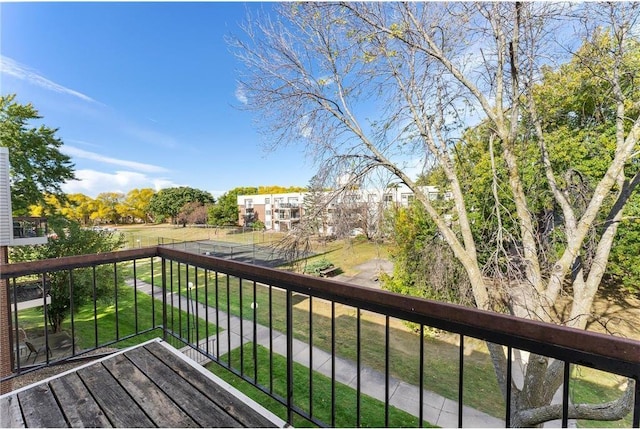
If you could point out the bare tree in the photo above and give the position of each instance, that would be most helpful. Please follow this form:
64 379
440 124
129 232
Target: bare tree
426 71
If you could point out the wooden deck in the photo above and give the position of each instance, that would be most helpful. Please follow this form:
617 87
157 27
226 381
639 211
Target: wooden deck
151 385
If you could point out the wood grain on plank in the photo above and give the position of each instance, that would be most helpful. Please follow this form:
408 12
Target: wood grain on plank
78 406
10 414
156 404
202 409
116 403
244 413
40 408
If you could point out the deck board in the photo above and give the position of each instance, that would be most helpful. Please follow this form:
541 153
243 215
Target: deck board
230 403
145 386
157 405
202 409
113 399
10 414
80 408
40 408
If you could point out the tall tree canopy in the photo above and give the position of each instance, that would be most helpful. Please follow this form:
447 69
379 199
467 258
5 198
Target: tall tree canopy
37 165
71 239
390 85
225 211
169 201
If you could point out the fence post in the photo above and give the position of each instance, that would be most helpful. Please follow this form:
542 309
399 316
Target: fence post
6 359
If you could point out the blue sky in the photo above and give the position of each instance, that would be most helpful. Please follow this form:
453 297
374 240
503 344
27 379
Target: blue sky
143 94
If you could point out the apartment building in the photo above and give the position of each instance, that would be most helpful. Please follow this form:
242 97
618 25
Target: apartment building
361 209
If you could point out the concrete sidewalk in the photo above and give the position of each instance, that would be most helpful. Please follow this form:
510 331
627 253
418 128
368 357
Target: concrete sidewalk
437 409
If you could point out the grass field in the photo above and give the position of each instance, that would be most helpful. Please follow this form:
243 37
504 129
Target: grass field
135 313
441 355
317 399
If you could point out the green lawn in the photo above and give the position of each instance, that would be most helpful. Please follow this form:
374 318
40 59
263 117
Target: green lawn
127 319
440 358
372 411
596 387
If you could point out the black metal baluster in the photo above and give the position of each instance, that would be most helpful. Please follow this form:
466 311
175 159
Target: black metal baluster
71 311
189 304
241 328
206 308
255 334
421 383
173 330
180 301
507 420
289 304
228 323
163 267
15 322
310 356
333 363
197 318
386 372
95 306
565 394
270 339
115 281
46 315
135 296
358 367
460 380
153 294
217 316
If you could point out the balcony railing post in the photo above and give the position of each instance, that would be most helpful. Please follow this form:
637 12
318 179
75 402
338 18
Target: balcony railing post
164 299
6 364
289 357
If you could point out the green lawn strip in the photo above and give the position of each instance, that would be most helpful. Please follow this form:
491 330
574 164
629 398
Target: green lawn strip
583 390
481 390
372 412
84 328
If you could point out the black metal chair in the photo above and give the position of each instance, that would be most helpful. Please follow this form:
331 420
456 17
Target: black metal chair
33 349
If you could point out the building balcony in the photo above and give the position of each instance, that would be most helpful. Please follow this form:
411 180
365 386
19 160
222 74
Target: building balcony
279 205
313 351
29 231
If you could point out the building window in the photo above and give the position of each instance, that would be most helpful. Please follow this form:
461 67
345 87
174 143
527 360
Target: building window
388 198
267 212
248 203
267 200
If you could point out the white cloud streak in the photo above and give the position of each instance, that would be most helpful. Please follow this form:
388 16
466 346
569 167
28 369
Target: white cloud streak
241 95
92 183
139 166
13 68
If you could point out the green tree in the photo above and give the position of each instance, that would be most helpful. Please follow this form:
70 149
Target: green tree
318 72
71 239
37 165
225 211
168 202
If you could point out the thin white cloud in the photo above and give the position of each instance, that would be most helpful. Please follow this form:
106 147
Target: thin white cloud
13 68
139 166
92 183
241 96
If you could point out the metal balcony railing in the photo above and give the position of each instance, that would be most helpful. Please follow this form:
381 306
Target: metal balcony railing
261 324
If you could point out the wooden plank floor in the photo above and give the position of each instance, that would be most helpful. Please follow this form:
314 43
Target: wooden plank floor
151 385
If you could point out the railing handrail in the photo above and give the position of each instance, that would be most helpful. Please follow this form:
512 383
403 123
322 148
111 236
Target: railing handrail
574 345
69 262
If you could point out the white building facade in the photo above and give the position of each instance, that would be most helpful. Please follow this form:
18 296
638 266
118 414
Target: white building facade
361 209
